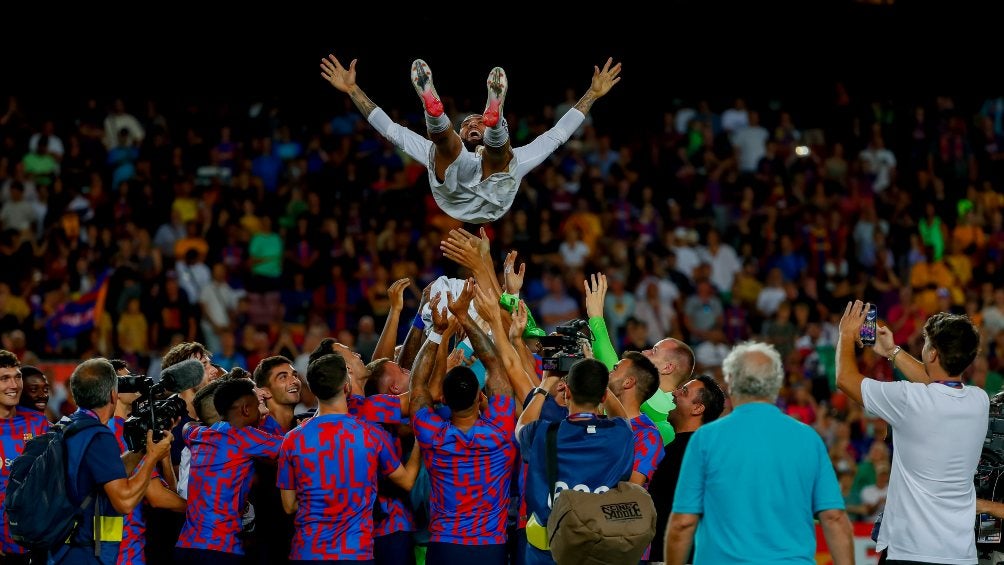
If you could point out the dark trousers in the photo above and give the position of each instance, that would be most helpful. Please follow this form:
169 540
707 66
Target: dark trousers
192 556
394 549
452 553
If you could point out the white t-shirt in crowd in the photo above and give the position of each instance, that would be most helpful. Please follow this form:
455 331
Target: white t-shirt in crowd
938 434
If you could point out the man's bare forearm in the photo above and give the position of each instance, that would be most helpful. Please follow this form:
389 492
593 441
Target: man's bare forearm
362 102
420 376
586 102
412 342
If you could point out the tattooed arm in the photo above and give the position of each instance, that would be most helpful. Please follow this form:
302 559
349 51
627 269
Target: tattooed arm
603 81
344 80
532 154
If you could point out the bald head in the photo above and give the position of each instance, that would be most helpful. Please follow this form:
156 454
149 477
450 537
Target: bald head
674 360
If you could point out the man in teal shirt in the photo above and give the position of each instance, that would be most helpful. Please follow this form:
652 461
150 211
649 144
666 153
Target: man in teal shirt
752 483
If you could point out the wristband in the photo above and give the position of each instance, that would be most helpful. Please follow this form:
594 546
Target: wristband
540 390
435 337
418 323
892 357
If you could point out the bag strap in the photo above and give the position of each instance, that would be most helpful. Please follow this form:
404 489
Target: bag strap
68 430
552 458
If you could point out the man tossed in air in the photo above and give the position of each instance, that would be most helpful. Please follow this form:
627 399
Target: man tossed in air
474 175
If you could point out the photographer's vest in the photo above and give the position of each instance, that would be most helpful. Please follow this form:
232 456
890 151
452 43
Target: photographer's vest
100 522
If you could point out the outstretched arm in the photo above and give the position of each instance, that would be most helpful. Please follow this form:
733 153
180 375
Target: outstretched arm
416 146
603 81
345 80
388 337
529 156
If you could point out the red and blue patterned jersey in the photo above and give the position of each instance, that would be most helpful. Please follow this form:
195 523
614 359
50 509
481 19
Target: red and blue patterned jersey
219 481
378 408
134 524
398 513
470 473
14 433
332 461
270 425
648 450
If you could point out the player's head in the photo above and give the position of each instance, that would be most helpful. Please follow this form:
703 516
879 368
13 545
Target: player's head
472 131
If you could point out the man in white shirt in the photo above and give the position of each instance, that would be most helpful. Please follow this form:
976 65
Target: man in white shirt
474 175
938 424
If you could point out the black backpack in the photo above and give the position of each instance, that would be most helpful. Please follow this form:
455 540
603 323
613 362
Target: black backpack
38 506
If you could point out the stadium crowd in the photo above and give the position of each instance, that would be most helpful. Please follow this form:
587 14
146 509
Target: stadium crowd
129 233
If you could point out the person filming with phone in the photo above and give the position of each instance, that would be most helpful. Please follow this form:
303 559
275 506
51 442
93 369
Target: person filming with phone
938 426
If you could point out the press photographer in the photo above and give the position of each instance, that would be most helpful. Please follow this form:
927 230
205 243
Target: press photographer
162 492
990 489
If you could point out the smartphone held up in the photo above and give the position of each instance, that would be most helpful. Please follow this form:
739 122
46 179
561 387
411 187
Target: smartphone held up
870 328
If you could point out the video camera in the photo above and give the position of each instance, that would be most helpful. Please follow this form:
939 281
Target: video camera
563 348
152 412
989 472
148 413
991 464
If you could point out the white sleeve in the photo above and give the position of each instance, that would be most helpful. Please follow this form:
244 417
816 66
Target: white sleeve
532 154
415 145
886 400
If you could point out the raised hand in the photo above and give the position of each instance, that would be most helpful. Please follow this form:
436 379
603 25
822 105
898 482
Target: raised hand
460 305
462 250
440 319
596 292
605 79
396 294
884 341
519 318
338 76
852 320
485 306
457 356
513 278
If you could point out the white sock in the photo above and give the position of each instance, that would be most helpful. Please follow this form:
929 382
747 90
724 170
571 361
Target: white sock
498 135
437 124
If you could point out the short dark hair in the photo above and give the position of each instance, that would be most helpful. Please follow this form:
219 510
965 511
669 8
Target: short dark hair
92 383
645 374
264 369
230 392
237 373
183 351
956 340
327 375
460 388
587 381
29 371
325 347
712 398
375 371
8 359
205 394
119 364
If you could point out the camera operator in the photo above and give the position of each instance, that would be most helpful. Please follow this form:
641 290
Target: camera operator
93 462
939 427
160 494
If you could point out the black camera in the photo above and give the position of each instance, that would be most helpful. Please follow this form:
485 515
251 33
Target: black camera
563 348
149 412
989 471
